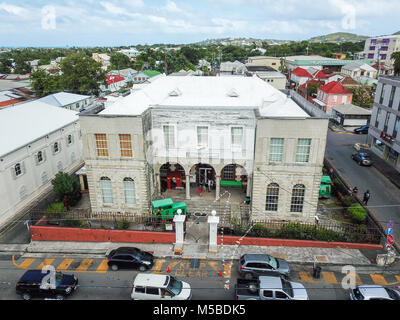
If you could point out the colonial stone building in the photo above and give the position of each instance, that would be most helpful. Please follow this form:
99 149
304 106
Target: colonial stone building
183 131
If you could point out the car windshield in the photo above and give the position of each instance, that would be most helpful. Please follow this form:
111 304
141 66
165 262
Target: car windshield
175 286
287 287
273 262
392 294
59 278
358 294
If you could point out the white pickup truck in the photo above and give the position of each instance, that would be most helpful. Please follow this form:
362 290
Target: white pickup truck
159 287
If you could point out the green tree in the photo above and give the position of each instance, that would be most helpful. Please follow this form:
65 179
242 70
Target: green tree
44 84
396 65
81 74
68 187
5 65
312 88
120 61
362 96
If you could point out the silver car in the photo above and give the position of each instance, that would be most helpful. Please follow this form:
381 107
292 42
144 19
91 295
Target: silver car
253 265
374 292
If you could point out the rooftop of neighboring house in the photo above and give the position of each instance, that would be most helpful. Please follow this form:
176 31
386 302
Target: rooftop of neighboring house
300 72
151 73
123 72
11 84
29 121
62 99
263 57
208 92
351 109
229 66
254 67
358 66
113 78
348 81
305 85
104 56
334 87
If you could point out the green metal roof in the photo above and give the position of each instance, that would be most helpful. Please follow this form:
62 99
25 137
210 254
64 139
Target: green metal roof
151 73
333 62
162 203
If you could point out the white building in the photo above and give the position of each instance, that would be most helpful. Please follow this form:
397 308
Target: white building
358 70
38 140
381 48
205 128
66 100
273 62
232 68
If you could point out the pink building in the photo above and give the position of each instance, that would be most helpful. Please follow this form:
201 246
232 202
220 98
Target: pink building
331 95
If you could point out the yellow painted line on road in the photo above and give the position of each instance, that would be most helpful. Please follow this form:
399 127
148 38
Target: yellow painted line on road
103 267
305 276
358 280
64 264
227 270
213 264
46 262
85 264
25 264
329 277
157 266
378 279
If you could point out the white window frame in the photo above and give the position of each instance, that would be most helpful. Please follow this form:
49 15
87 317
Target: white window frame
44 175
58 147
128 196
272 154
18 170
200 144
335 98
297 201
272 199
344 99
107 188
167 145
231 136
303 154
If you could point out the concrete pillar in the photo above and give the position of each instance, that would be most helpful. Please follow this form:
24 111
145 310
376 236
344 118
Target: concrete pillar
158 183
248 190
187 187
217 186
81 182
213 221
179 220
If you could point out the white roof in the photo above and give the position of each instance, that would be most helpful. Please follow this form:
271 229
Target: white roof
358 66
62 99
293 58
208 92
27 122
151 279
351 109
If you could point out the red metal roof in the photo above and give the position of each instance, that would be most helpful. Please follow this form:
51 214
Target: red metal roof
300 72
114 79
334 87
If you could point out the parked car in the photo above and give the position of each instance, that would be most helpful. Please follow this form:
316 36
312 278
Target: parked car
362 129
362 158
374 292
159 287
269 288
130 258
254 265
31 285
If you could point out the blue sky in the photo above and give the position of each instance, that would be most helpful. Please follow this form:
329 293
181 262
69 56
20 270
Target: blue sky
130 22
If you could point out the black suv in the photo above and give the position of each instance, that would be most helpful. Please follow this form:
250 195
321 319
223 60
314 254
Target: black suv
129 257
31 285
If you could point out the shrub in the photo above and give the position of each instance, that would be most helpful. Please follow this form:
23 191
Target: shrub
348 201
75 223
55 209
66 186
357 213
124 224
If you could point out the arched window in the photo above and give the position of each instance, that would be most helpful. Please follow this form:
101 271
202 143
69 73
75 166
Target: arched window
39 156
106 190
129 189
297 198
23 192
55 147
272 197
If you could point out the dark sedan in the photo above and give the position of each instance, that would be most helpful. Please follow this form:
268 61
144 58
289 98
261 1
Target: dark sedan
362 129
362 158
130 258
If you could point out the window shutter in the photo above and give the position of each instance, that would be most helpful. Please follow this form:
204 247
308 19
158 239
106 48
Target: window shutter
13 172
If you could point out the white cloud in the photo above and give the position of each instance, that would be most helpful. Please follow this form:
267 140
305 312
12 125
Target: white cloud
15 10
172 7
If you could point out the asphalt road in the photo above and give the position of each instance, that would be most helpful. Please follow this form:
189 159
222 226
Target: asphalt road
103 284
385 197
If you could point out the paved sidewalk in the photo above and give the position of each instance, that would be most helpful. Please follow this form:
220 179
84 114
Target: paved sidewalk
300 255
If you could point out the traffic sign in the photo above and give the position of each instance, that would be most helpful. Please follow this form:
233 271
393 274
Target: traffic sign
389 247
390 239
389 231
390 224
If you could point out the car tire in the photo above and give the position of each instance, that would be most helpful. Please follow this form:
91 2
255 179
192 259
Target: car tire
26 296
248 276
59 297
114 267
142 269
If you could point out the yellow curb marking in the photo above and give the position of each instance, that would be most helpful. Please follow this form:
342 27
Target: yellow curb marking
378 279
214 265
358 280
329 277
103 267
305 276
25 264
46 262
157 266
85 264
64 264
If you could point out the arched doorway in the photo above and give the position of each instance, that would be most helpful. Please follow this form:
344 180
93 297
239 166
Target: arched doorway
234 179
203 178
172 177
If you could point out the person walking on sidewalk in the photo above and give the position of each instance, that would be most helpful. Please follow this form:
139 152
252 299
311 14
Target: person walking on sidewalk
367 195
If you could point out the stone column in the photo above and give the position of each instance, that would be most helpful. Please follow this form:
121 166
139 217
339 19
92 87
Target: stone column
217 186
187 187
158 183
248 191
179 220
81 181
213 221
